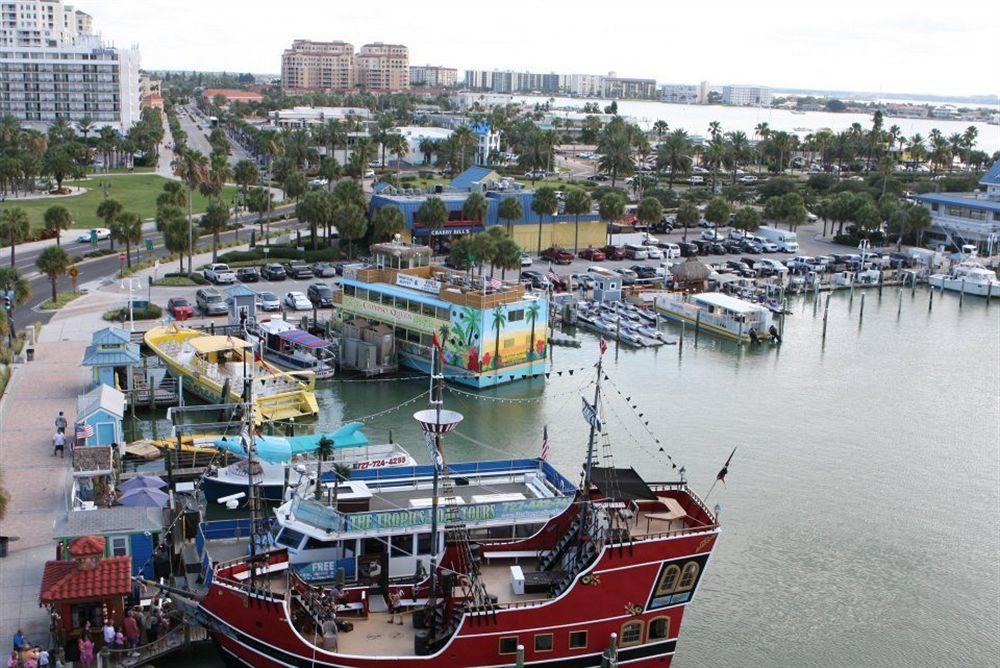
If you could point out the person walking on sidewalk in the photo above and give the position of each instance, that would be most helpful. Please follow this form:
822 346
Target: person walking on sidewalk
59 443
61 422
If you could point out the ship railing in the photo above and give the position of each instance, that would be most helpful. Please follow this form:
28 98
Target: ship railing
681 486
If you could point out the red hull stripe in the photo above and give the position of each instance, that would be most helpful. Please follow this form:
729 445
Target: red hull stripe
269 655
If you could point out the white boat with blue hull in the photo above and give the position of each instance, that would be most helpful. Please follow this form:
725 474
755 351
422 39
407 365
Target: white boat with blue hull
297 456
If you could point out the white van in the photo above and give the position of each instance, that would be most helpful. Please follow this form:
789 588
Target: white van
670 251
636 252
783 239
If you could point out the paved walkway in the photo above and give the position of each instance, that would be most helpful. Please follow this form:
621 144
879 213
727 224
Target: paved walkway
37 482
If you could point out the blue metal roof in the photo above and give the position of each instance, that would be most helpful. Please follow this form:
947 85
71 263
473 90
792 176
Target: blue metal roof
959 199
469 177
97 356
992 177
380 186
110 336
240 291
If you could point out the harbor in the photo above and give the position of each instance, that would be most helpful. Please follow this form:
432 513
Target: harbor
779 466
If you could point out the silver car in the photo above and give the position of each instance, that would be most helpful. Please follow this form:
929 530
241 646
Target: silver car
268 301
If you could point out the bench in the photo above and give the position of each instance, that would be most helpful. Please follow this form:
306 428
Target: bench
512 554
673 512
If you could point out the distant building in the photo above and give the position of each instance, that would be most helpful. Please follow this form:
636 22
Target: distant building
945 111
310 65
415 134
966 218
383 67
54 67
232 95
587 85
432 76
303 117
747 96
680 93
623 88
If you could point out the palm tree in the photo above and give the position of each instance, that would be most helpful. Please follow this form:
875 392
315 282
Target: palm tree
616 150
475 208
465 140
543 203
397 145
259 202
532 313
510 209
245 174
578 202
499 320
57 219
427 148
127 229
612 207
363 153
715 129
432 214
191 167
341 473
715 155
53 262
176 235
14 225
315 209
324 449
215 219
660 127
674 155
388 221
11 280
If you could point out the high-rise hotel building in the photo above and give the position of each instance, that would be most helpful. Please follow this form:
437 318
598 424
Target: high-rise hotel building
53 66
310 65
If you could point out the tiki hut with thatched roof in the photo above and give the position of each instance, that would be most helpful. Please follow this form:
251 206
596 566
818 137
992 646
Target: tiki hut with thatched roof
690 275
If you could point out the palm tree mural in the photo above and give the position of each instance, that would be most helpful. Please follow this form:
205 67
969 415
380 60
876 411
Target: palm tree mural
531 313
499 320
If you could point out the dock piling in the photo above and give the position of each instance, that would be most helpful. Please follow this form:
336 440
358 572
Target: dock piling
899 305
861 311
930 299
826 315
697 327
961 295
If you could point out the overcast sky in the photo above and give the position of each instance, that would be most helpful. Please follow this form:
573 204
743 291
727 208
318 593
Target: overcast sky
945 47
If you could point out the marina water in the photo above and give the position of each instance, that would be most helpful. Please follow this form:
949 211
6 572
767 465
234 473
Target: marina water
860 515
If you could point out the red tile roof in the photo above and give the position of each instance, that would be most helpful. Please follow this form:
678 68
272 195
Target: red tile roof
86 545
64 581
233 95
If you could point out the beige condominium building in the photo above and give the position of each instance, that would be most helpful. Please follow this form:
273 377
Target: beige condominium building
310 65
433 76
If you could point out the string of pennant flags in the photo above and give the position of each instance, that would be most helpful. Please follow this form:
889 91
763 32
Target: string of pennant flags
371 416
515 400
559 373
643 420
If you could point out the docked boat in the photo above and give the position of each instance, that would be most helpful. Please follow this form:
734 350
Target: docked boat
969 277
720 314
216 367
291 348
486 561
277 454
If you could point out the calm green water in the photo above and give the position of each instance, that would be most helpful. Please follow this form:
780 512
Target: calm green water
862 515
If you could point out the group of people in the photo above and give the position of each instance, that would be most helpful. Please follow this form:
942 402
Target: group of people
28 655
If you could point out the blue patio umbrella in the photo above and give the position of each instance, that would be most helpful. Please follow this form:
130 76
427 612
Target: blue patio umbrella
142 482
144 498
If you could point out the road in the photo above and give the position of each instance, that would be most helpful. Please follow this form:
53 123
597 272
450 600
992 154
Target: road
190 119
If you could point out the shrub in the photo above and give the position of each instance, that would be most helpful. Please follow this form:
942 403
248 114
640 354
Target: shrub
148 312
194 278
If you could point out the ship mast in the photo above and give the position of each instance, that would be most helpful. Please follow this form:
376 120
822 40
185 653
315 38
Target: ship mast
257 530
595 424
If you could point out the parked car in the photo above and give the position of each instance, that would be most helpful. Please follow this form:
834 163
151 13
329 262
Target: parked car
598 178
740 267
737 235
298 269
526 260
688 249
320 295
586 280
718 248
210 302
768 246
800 264
643 271
592 254
297 301
557 255
769 266
95 234
704 247
750 246
696 181
748 180
324 270
268 301
900 261
247 275
273 272
670 250
535 279
614 252
535 174
179 308
654 252
732 246
219 273
629 277
711 235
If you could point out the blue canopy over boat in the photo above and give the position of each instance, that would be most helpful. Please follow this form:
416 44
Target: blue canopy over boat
282 448
304 339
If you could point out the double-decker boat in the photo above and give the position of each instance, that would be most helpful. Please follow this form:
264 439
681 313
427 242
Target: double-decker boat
216 367
968 277
723 315
487 565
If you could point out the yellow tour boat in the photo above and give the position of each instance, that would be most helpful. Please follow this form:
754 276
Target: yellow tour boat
213 365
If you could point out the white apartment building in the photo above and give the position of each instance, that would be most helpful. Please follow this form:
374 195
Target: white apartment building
685 93
53 66
587 85
305 117
747 96
433 76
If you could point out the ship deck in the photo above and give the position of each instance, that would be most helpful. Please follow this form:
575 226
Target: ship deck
375 636
494 488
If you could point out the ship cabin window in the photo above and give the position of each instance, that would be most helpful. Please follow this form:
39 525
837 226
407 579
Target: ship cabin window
423 543
429 310
659 629
669 580
508 645
631 633
289 538
373 546
688 576
349 290
578 640
362 293
317 544
543 642
402 546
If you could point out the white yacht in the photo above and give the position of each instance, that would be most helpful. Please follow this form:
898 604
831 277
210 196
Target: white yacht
720 314
969 277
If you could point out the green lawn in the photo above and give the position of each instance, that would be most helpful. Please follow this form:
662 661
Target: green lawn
136 193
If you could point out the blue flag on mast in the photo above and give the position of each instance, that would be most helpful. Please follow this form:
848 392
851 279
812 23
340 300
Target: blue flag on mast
590 413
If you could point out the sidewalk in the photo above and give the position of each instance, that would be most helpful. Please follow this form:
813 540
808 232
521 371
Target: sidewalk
37 482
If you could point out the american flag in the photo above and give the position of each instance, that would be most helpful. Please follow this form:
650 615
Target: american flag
84 430
494 283
545 442
604 345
